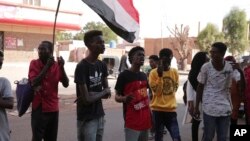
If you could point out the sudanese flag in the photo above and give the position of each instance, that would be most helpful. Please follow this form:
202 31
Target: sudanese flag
120 15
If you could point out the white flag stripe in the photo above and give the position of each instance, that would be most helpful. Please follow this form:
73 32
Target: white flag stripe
121 16
117 17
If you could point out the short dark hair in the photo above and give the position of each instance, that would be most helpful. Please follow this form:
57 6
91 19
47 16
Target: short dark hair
88 36
165 52
1 53
132 52
154 57
230 58
49 45
222 48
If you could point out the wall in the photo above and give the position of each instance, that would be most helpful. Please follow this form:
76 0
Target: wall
153 46
24 41
19 56
20 46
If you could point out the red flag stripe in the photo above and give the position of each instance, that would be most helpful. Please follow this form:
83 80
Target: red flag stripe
129 7
121 16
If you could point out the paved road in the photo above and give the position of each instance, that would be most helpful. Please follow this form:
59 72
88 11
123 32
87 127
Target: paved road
21 130
20 127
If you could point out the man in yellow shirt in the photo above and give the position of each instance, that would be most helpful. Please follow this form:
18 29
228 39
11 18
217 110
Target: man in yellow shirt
164 82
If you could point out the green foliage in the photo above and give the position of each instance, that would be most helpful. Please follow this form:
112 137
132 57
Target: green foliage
108 34
207 36
248 32
235 30
79 35
64 36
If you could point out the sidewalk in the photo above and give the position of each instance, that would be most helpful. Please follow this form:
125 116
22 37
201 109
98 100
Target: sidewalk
183 72
16 71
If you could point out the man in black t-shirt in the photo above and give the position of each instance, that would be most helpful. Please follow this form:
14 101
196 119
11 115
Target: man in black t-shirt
91 86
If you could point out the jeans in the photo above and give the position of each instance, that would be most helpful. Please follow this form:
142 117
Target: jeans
134 135
90 130
219 124
168 119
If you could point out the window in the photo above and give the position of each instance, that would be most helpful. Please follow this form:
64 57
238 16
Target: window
32 2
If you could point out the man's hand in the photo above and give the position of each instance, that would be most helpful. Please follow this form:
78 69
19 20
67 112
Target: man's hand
196 113
7 103
50 61
128 98
235 65
160 70
108 93
60 61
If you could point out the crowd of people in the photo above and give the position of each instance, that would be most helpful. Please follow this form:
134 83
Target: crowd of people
215 88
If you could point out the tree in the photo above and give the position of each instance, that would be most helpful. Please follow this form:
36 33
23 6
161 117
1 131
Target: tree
208 36
248 34
64 36
235 30
248 30
183 44
79 35
108 34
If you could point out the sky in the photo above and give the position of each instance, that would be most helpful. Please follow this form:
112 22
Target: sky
157 15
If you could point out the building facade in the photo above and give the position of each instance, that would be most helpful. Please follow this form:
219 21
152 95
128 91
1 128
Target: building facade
25 23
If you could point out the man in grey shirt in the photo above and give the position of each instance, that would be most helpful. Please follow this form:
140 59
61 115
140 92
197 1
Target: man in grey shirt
6 102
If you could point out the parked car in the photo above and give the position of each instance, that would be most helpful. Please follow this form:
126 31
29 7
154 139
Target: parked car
112 63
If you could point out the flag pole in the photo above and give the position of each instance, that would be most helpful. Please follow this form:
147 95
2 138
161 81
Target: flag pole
161 36
54 28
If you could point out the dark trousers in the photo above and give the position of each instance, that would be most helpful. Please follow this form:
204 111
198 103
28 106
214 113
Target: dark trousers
44 125
195 129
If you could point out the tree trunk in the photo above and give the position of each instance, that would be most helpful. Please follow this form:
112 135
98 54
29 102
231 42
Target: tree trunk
183 64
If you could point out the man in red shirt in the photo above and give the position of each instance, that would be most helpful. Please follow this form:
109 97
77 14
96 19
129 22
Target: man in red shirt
131 90
44 75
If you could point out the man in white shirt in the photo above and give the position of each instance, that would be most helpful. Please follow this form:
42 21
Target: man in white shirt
214 89
174 63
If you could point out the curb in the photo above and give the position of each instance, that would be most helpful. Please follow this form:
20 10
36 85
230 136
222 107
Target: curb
183 72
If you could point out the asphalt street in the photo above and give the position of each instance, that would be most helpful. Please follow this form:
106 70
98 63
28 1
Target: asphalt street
20 126
114 131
